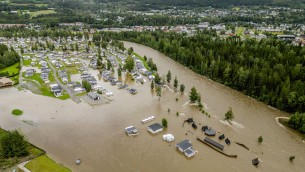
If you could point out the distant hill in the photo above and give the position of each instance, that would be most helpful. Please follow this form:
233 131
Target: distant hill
213 3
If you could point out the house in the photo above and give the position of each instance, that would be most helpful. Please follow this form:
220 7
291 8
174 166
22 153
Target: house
286 37
56 89
210 132
131 131
185 147
133 91
213 143
168 137
155 128
6 82
29 72
94 96
123 86
57 93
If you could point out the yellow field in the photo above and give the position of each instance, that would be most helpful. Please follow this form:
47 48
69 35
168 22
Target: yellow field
37 13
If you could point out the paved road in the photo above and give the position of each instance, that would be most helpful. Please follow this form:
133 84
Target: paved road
72 96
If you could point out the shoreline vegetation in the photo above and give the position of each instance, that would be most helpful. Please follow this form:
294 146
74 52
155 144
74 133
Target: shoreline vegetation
25 152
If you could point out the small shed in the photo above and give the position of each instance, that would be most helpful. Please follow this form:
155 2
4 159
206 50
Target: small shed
194 125
228 142
255 162
131 131
221 137
155 128
190 120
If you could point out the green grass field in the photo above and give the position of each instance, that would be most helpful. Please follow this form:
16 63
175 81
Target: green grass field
14 69
27 62
45 164
37 13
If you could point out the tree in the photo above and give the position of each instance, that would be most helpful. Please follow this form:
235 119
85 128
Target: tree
229 115
86 85
193 95
152 85
157 79
130 51
129 64
159 91
260 139
76 47
109 65
119 72
182 88
291 158
175 82
14 145
164 122
168 76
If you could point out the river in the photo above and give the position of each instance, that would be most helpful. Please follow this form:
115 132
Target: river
68 131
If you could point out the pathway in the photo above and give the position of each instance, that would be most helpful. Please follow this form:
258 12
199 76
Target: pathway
22 166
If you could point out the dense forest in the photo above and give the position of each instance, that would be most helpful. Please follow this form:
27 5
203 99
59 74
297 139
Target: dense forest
297 122
269 70
7 57
144 4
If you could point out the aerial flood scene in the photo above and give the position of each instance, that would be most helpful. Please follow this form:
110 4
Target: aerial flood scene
145 86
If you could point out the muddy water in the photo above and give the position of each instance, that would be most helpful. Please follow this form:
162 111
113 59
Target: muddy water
68 131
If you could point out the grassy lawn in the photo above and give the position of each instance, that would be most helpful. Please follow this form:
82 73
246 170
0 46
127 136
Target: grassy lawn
41 5
72 70
51 77
27 62
14 69
240 31
45 164
81 94
37 13
36 77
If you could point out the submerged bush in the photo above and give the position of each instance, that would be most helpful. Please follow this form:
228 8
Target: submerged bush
17 112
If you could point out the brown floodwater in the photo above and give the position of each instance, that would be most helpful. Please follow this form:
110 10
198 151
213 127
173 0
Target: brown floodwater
95 134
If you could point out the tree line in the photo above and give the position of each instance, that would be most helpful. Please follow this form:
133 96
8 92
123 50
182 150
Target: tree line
7 57
269 70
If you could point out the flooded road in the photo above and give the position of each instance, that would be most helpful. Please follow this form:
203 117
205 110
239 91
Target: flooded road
95 134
